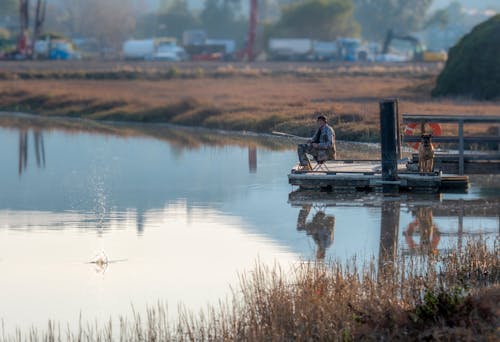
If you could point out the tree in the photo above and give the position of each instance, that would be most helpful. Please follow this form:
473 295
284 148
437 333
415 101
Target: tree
219 18
110 21
472 68
317 19
175 19
378 16
8 7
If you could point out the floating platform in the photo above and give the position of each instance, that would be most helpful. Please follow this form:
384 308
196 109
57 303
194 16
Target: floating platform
366 175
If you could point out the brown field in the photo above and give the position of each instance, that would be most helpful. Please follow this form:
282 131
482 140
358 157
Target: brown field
262 98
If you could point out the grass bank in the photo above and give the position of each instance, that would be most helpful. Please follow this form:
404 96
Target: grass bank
264 98
445 297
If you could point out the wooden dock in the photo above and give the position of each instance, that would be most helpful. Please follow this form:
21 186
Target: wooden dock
391 174
351 175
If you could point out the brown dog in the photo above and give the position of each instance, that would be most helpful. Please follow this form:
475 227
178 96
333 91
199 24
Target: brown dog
426 154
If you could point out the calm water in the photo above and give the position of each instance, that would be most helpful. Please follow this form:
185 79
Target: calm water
180 214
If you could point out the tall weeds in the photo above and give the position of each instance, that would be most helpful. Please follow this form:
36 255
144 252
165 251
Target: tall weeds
446 297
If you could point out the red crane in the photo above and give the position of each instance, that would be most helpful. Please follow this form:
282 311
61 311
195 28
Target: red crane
252 30
248 53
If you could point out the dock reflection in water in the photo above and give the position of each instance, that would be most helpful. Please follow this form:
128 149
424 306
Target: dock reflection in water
418 233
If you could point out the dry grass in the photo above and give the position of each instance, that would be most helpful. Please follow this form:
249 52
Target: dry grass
449 297
253 99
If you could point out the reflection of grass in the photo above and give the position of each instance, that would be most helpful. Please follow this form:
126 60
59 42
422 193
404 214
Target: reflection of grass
181 137
451 297
261 98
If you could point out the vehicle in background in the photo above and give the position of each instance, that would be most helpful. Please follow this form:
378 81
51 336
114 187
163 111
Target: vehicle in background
228 44
419 53
138 49
153 49
169 51
290 49
56 49
348 49
90 48
194 37
206 52
201 48
324 50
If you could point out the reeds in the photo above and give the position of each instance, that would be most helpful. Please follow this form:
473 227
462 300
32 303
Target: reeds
446 297
261 97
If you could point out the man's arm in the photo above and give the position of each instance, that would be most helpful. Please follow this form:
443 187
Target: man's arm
315 137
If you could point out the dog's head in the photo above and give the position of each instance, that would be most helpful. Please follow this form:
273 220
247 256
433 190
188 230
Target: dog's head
426 139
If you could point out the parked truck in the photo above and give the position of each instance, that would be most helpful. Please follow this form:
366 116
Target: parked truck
324 50
290 49
153 49
56 49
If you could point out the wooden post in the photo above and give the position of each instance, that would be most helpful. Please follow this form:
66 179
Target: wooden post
398 131
498 134
461 147
389 140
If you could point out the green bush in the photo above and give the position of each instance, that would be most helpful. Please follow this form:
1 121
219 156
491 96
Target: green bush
473 66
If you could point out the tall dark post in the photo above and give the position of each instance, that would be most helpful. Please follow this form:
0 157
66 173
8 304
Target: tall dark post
389 139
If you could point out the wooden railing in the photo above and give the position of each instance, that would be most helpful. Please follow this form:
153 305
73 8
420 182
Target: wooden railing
461 139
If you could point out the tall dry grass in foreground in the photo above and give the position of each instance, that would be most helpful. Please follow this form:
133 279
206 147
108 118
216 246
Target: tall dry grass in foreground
450 297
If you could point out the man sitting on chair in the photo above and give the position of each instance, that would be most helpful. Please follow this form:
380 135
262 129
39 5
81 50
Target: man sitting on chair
321 146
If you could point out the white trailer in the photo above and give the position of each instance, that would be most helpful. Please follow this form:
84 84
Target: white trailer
324 50
290 48
139 49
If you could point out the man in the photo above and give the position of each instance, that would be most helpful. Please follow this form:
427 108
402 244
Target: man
321 146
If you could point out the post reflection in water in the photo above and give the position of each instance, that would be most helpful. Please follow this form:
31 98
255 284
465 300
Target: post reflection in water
252 158
320 228
23 150
389 227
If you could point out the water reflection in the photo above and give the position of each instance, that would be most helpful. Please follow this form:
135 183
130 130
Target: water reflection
389 228
424 227
320 228
23 150
252 159
409 224
188 210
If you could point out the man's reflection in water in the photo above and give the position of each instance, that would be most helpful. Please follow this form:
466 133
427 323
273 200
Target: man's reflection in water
320 228
428 231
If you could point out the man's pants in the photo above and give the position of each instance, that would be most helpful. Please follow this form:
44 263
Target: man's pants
318 154
302 150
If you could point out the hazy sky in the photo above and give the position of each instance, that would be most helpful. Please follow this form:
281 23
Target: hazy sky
480 4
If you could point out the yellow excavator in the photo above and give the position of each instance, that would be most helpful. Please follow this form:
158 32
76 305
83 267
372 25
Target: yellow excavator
420 52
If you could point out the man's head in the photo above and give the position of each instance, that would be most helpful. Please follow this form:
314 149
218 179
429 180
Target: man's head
321 120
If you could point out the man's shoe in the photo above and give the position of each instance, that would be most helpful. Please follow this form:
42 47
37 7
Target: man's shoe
305 168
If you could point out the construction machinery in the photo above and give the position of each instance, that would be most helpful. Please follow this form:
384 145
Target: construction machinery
420 52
